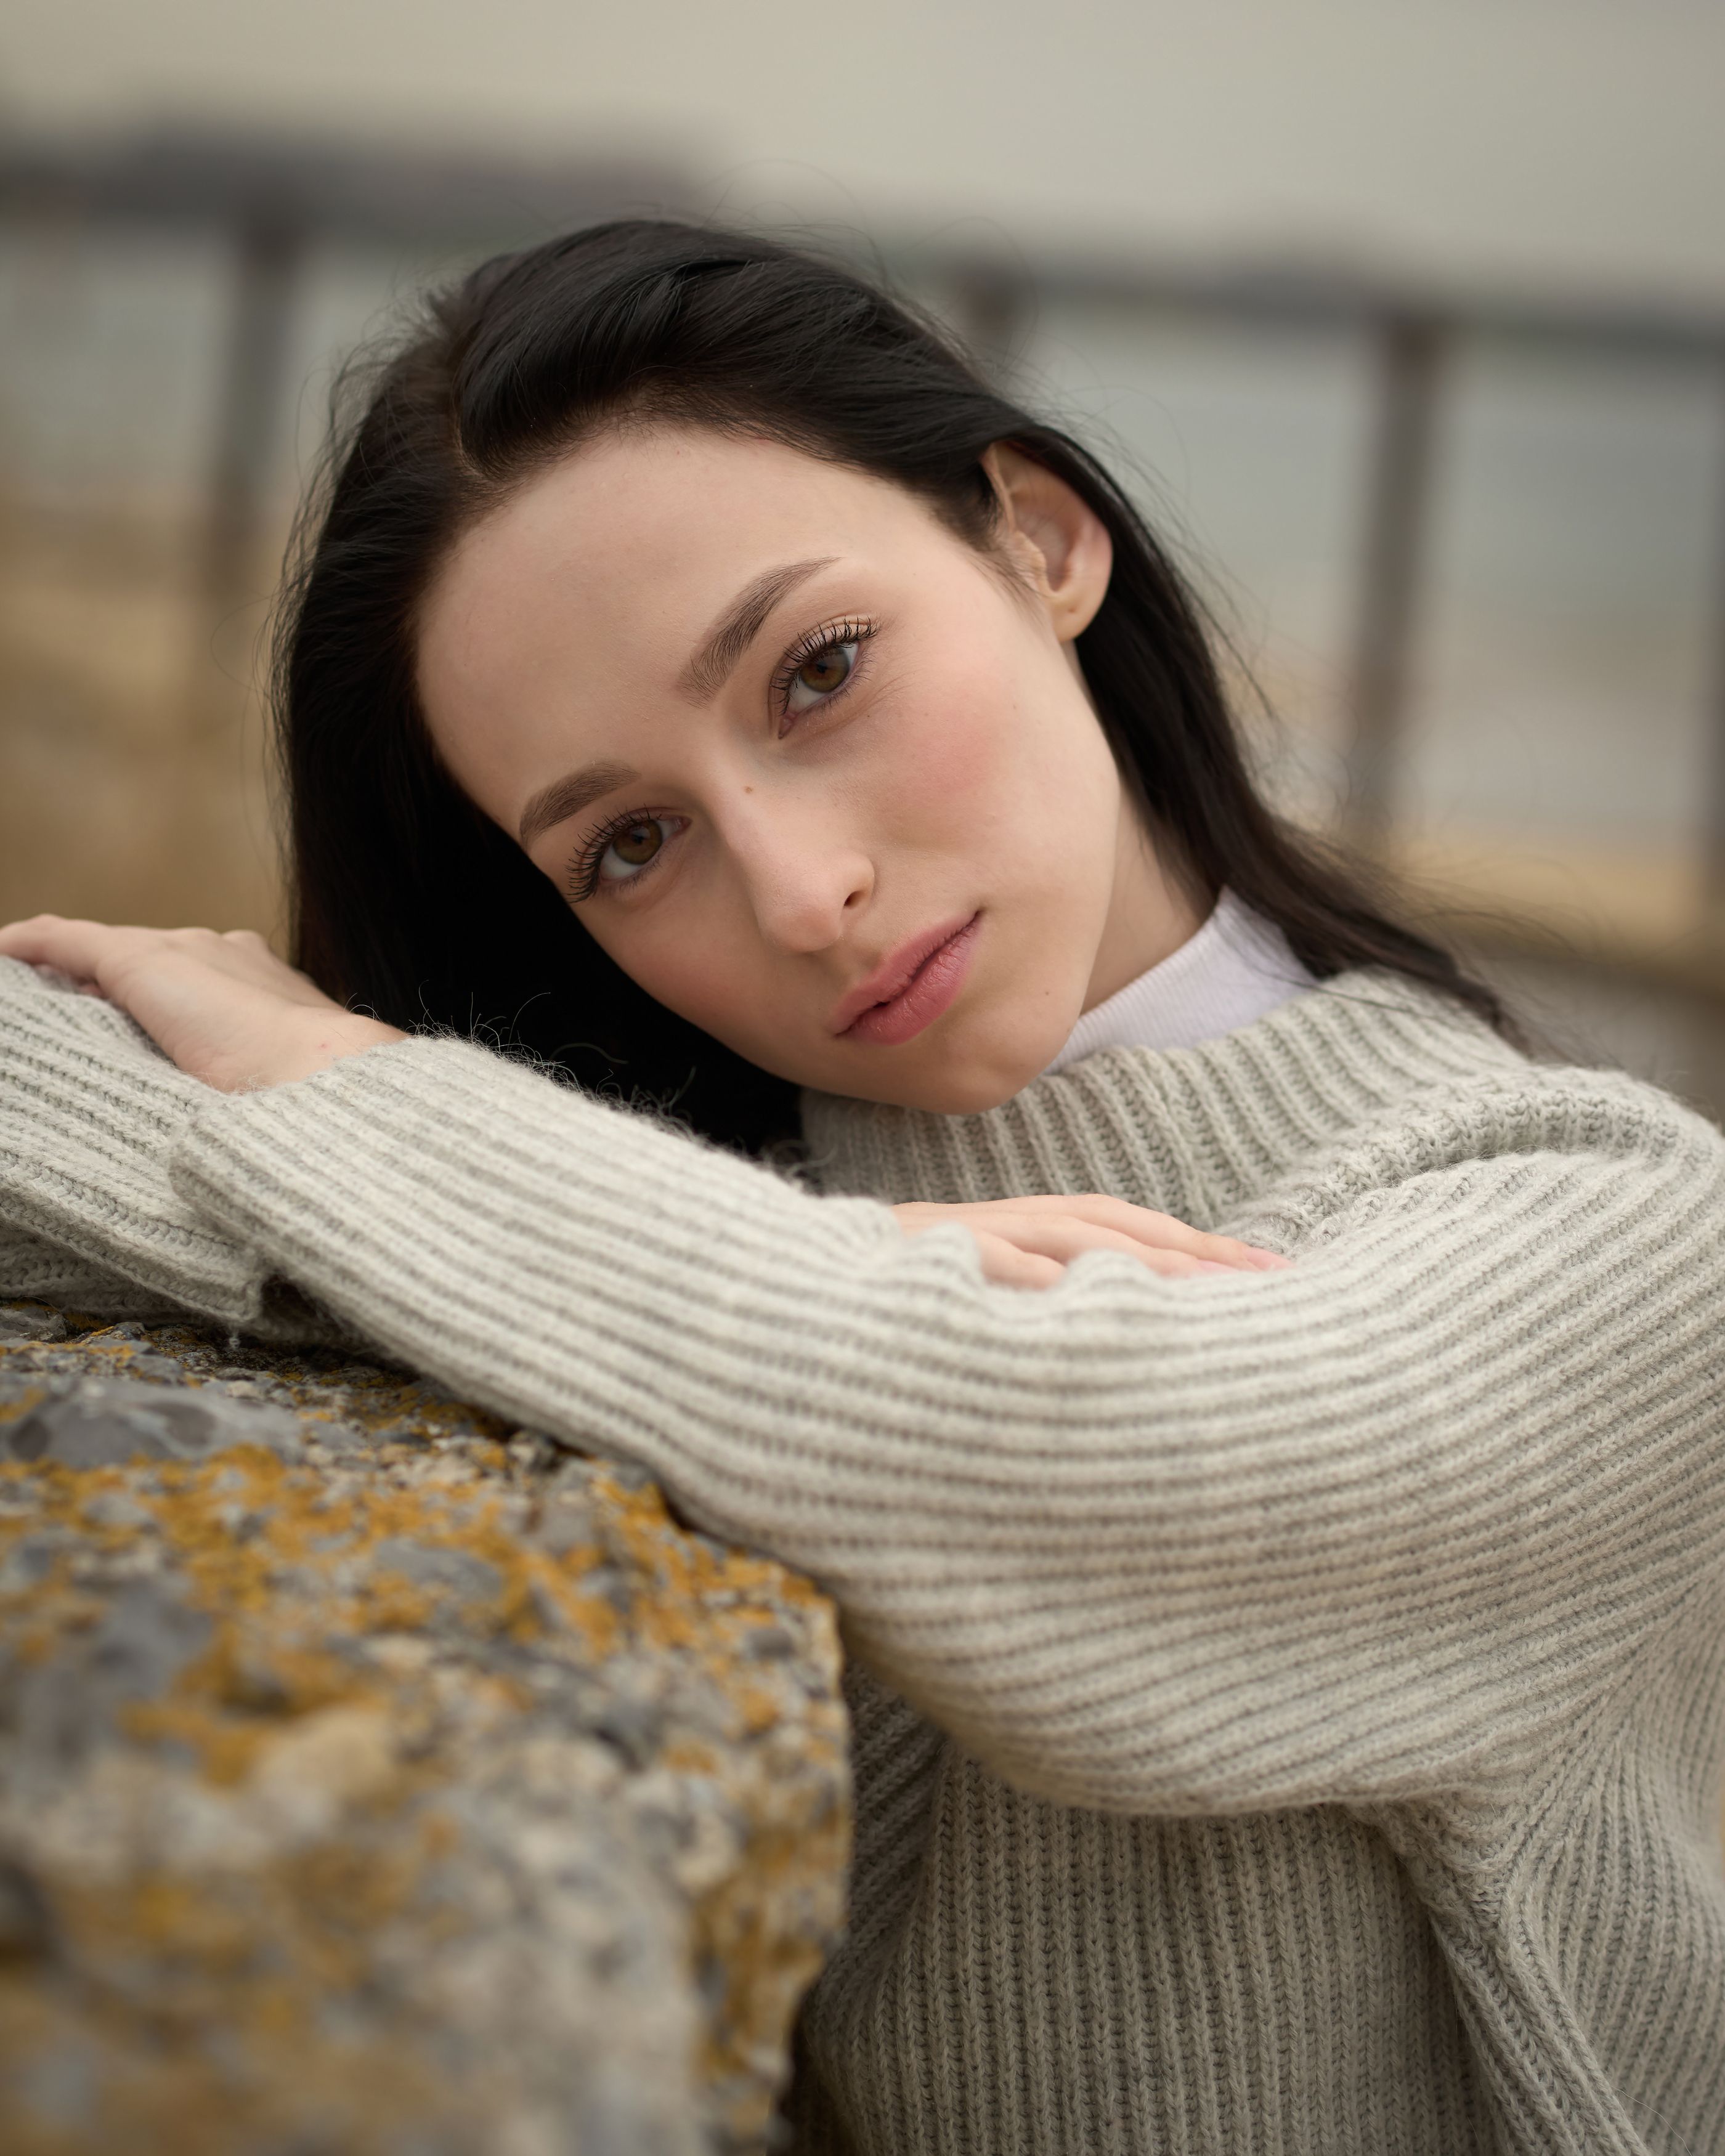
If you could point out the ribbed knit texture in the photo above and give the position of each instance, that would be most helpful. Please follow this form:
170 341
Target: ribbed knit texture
1290 1708
90 1111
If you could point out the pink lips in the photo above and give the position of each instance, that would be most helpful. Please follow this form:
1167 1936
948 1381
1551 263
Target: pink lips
909 990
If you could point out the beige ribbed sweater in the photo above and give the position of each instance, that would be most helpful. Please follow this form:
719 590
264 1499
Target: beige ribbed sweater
1289 1706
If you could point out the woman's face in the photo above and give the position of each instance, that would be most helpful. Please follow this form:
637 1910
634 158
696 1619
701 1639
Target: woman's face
818 775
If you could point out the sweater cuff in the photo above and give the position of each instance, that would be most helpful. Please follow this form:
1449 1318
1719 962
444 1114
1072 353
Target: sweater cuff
92 1112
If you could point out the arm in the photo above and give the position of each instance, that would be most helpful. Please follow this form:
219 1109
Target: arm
34 1270
1371 1528
89 1109
94 1099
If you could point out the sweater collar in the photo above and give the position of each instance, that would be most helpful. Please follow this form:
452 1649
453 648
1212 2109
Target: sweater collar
1237 968
1196 1132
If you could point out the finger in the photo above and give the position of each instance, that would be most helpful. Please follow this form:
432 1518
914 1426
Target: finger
1175 1265
1064 1239
1164 1232
1243 1257
1009 1266
1018 1266
1166 1264
29 939
1066 1236
243 955
78 948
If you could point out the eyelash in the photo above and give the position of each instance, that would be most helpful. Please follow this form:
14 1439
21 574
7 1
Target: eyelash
584 870
583 879
826 638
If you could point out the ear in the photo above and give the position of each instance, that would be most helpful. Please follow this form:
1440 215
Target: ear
1054 536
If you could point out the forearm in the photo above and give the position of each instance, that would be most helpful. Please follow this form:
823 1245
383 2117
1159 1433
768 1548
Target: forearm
33 1270
90 1111
1144 1544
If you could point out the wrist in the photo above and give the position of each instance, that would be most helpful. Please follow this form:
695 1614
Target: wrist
325 1038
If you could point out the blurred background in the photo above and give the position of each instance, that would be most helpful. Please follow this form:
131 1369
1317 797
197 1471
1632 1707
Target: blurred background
1407 322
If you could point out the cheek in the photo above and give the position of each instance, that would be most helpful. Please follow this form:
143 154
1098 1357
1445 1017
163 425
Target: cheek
704 960
1008 772
949 773
698 964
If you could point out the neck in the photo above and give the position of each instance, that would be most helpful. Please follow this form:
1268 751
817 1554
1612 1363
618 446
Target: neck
1151 912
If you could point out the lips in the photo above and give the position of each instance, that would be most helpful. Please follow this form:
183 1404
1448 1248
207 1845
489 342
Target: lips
910 989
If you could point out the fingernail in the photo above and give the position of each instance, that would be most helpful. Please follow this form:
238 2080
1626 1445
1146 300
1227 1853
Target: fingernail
1270 1261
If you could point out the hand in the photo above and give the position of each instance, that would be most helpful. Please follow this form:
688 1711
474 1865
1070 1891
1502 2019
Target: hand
1029 1242
224 1008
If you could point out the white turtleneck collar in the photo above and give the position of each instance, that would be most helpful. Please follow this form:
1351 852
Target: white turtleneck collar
1238 968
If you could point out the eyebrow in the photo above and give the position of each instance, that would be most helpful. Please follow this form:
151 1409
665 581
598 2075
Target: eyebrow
568 796
738 626
702 678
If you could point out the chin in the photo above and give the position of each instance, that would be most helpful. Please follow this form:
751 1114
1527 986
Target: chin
962 1098
971 1075
968 1085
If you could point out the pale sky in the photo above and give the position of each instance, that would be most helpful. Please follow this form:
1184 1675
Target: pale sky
1567 142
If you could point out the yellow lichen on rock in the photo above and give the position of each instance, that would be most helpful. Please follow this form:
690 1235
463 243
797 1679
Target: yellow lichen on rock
376 1778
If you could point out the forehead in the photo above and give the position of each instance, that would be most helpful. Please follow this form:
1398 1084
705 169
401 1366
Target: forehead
640 534
559 623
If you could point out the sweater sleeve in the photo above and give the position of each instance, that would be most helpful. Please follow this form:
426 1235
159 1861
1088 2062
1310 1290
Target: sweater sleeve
90 1110
1371 1527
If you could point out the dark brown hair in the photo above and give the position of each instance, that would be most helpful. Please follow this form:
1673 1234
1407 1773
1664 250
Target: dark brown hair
408 902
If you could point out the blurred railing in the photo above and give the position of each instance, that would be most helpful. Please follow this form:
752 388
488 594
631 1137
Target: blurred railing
270 206
1412 334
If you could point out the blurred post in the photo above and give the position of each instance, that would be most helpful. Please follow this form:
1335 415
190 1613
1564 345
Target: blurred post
269 247
990 308
1713 886
1410 356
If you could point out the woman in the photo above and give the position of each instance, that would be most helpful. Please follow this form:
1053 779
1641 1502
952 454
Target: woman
1287 1696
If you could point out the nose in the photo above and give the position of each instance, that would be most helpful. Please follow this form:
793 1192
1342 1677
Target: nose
805 876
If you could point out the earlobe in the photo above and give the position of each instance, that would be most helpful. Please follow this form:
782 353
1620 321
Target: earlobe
1060 543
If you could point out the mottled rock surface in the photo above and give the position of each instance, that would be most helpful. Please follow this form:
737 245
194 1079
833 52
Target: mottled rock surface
376 1778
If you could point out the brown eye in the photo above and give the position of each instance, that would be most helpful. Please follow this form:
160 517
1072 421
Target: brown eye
826 671
636 846
819 675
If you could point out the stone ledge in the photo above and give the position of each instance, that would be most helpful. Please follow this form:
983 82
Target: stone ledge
374 1778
